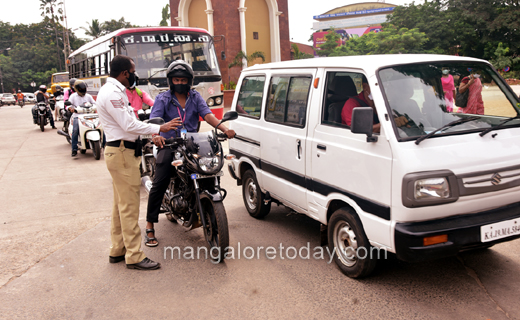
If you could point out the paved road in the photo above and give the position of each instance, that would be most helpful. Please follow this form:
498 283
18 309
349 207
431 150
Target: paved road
54 239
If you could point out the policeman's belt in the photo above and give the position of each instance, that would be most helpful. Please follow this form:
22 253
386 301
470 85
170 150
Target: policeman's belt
127 144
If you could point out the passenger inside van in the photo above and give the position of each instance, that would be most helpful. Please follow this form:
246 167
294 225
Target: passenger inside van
363 99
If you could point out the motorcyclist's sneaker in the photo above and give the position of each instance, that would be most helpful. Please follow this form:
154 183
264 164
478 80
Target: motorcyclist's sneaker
74 153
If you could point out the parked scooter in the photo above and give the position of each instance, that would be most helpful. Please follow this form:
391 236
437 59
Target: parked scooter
194 197
42 119
90 130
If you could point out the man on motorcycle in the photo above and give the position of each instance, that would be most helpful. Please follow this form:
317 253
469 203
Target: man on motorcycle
136 97
20 97
42 96
77 99
184 105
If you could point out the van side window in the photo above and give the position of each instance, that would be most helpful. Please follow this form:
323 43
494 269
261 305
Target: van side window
287 100
250 97
340 87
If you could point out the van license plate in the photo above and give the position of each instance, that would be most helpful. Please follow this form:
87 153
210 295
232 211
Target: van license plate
500 230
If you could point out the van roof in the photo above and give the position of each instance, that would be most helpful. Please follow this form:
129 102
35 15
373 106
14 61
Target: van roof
369 63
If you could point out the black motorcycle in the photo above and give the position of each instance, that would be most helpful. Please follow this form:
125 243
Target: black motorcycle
194 197
42 118
147 166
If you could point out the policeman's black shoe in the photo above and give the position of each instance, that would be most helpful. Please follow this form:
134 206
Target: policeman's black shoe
116 259
74 153
54 127
146 264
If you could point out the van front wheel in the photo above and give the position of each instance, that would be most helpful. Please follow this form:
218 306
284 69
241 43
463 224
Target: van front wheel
347 241
253 196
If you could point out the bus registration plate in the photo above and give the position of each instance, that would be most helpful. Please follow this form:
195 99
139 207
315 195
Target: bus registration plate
500 230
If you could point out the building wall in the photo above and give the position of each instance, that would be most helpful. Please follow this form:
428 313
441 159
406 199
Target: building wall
226 23
197 14
257 20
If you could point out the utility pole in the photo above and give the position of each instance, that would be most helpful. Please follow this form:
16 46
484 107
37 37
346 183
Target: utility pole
66 41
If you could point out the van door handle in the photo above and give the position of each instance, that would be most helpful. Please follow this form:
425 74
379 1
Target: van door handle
322 147
299 145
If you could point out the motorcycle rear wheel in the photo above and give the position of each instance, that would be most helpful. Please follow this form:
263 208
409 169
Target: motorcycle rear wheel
216 232
42 123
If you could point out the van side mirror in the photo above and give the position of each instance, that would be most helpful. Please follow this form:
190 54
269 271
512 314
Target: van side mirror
362 122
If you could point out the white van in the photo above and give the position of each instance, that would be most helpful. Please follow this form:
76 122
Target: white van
432 180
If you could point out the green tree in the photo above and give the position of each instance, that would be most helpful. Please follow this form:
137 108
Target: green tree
113 25
503 60
95 29
165 16
48 8
237 61
298 54
331 43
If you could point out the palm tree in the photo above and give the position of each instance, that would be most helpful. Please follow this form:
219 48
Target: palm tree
241 55
47 8
298 54
94 30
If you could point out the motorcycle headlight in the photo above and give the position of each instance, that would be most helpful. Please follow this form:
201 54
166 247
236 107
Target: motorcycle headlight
429 188
209 164
42 108
89 122
210 102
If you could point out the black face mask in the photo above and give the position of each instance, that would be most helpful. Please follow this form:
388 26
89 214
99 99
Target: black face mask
131 79
181 88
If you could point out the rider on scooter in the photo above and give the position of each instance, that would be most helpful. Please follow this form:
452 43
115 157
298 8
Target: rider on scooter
70 90
42 97
78 98
20 96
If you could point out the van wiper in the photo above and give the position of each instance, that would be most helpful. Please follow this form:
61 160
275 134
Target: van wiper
449 125
498 126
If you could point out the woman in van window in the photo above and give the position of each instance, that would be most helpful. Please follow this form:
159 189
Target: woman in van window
448 86
474 85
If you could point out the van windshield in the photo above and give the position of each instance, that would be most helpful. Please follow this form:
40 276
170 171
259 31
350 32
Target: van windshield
423 98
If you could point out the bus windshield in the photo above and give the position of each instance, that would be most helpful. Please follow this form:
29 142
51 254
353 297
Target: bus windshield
153 52
60 78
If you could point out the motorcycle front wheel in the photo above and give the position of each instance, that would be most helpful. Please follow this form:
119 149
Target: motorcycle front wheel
216 231
96 149
42 123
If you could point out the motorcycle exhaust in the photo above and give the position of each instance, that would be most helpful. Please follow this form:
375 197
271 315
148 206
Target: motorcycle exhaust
147 183
61 133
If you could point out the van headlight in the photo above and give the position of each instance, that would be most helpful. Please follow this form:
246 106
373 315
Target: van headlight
429 188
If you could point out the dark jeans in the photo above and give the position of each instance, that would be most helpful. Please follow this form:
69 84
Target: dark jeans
163 171
35 115
75 134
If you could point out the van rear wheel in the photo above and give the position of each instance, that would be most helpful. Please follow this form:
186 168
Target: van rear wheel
353 253
253 196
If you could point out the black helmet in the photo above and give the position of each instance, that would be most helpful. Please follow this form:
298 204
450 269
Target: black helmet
71 82
43 88
80 87
58 88
181 69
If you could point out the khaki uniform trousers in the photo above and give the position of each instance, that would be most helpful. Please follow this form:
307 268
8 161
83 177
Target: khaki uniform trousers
125 233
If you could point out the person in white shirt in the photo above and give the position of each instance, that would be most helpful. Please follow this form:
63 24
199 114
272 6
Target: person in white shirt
122 129
77 99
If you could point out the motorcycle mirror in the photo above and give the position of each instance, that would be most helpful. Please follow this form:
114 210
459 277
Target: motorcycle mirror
68 103
230 115
157 120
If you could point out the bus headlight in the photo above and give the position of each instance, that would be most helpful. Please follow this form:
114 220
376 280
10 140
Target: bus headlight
429 188
210 102
218 100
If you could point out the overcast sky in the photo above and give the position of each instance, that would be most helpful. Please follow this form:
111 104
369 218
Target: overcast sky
148 12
